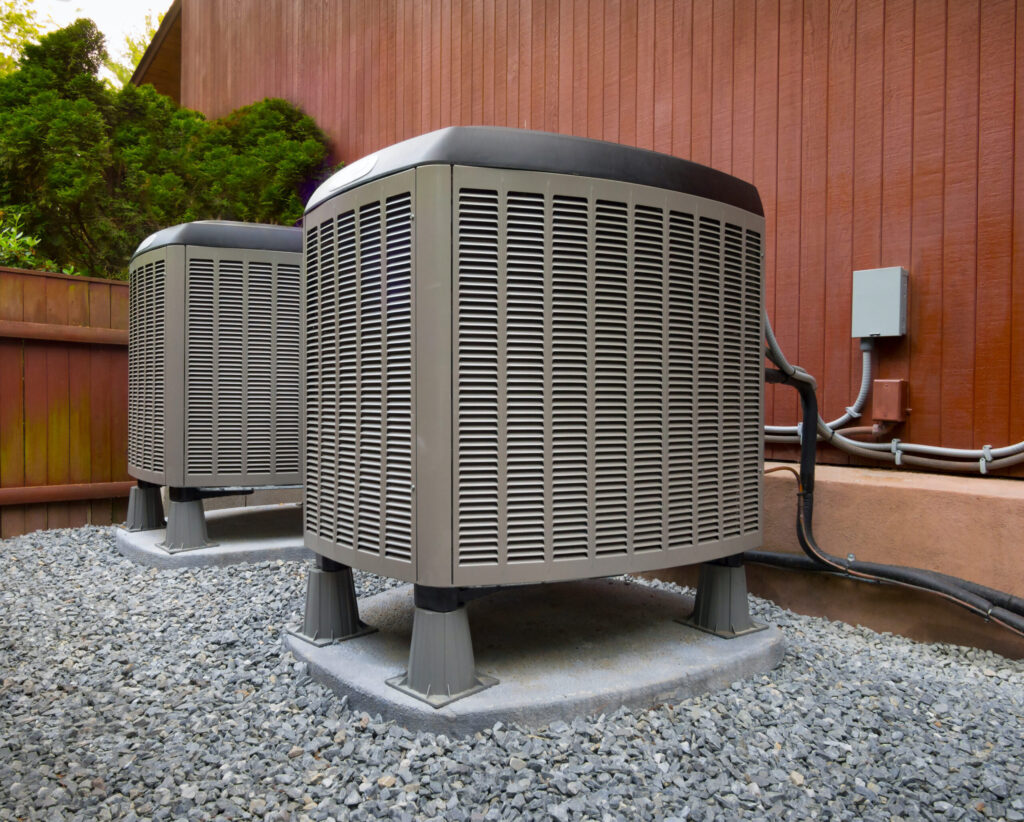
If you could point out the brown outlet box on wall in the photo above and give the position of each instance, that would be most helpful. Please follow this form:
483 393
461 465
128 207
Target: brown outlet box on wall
889 401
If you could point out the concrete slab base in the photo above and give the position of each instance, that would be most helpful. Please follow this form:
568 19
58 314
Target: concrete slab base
558 651
251 534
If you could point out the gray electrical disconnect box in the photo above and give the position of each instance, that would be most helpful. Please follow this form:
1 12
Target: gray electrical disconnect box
879 302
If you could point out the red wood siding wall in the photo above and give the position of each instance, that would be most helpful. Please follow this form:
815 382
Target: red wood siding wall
63 406
878 133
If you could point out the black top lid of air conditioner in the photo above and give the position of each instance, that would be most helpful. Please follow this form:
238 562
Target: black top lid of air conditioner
226 234
513 148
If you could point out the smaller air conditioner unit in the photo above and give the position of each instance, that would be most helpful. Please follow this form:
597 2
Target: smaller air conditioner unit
213 367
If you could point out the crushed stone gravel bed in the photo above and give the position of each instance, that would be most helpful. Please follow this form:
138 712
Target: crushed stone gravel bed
133 693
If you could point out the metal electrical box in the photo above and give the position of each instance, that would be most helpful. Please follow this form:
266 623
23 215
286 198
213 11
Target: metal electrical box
531 357
879 302
214 356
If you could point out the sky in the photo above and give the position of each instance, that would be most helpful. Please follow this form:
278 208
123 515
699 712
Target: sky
115 18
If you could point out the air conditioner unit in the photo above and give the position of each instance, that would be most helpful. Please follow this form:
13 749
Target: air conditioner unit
529 358
214 364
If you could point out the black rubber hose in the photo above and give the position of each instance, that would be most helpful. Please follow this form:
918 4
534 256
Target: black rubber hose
799 562
1000 598
941 584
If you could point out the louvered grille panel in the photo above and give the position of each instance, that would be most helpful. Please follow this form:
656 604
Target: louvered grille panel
286 313
156 312
242 321
608 377
649 435
398 373
709 377
570 379
134 330
732 381
312 394
200 340
259 369
340 425
326 369
524 376
477 409
359 417
134 436
753 423
371 383
146 341
229 364
680 404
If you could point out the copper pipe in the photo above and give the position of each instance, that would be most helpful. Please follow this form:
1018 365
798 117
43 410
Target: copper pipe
879 429
858 431
14 329
30 494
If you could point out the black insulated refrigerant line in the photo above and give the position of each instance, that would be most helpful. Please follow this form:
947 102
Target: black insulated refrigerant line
997 606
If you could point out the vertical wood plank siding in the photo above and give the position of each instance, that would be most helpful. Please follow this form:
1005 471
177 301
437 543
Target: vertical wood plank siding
879 132
63 406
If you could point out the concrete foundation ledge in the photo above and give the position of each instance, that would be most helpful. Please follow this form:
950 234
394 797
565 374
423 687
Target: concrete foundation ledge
252 534
967 527
558 651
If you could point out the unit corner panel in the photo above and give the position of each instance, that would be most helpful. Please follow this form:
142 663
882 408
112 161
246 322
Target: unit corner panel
359 367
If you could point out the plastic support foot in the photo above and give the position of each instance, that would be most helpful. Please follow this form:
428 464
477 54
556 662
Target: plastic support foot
186 522
332 612
441 665
721 605
145 508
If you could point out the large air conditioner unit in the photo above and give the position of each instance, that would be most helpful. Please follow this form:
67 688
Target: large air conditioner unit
214 366
529 358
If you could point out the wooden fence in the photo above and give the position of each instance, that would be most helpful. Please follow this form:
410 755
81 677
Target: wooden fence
63 401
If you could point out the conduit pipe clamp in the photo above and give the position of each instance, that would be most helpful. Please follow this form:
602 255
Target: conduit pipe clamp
894 446
986 458
853 412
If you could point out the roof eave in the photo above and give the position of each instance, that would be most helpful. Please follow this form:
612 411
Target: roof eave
153 49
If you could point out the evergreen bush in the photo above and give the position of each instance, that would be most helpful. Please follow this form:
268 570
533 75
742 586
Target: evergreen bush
91 170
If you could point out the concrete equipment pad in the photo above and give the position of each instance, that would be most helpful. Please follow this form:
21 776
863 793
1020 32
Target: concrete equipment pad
256 533
558 651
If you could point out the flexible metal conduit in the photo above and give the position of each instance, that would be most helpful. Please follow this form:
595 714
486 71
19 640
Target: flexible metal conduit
950 588
896 452
791 433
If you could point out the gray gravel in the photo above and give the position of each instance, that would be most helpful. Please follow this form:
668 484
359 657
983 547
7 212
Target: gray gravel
127 692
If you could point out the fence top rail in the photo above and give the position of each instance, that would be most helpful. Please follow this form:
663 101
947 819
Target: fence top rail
54 275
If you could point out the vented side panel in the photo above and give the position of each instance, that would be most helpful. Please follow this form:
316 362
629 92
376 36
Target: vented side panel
359 367
608 377
753 346
259 370
571 381
146 384
286 315
242 352
201 404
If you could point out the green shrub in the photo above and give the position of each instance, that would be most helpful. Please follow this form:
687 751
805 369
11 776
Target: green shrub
94 170
18 249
